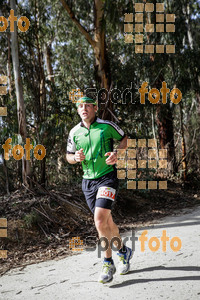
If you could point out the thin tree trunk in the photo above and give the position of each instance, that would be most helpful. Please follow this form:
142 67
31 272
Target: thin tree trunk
184 161
186 12
196 81
165 125
43 171
19 95
154 134
102 65
9 68
98 44
164 118
42 89
198 134
6 176
40 64
50 77
47 54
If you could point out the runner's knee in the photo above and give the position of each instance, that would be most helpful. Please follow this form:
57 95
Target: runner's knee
111 224
110 221
101 223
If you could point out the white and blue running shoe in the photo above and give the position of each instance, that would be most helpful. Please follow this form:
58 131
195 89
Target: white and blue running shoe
108 269
124 261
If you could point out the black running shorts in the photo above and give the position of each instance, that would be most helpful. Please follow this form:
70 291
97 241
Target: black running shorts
102 191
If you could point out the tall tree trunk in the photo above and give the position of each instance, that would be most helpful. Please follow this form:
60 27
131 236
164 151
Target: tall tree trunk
9 68
165 125
196 82
19 94
98 44
198 135
101 60
102 65
50 77
42 89
47 54
184 161
40 64
186 12
164 118
6 176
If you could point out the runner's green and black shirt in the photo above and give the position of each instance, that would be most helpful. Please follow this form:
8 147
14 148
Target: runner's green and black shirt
95 142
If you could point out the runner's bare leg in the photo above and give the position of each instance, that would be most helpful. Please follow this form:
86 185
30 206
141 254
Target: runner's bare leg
106 227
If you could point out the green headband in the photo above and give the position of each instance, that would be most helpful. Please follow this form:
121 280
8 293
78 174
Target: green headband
86 100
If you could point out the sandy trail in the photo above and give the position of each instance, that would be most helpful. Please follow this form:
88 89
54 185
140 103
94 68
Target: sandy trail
153 275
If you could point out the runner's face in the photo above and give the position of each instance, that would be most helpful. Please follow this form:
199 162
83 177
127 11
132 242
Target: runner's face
87 111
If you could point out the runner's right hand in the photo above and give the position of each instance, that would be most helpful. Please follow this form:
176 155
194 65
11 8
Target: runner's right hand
79 155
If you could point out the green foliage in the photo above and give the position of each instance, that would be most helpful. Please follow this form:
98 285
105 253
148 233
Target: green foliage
49 119
31 219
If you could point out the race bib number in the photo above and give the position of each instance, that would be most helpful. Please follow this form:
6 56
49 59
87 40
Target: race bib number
106 192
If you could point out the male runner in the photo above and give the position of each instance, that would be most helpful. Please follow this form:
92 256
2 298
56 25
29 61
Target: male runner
90 142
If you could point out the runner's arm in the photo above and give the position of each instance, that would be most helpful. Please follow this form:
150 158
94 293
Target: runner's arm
78 156
112 159
71 149
123 143
71 158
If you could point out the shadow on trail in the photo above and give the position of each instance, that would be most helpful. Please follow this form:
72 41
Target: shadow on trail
159 268
191 221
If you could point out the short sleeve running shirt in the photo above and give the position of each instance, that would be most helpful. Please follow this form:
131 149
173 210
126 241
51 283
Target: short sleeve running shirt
95 142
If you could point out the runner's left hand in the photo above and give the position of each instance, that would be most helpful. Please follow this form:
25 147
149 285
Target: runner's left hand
112 159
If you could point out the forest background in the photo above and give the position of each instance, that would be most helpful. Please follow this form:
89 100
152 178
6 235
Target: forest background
80 45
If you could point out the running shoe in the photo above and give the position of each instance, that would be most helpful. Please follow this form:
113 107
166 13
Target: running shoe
108 269
124 261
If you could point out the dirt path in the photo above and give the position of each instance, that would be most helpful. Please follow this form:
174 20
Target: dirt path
153 275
